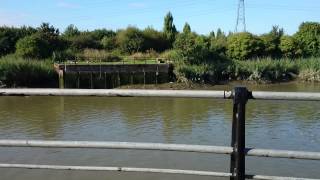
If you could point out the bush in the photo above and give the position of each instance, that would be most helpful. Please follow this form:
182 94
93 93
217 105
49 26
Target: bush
71 31
83 41
99 34
109 43
193 48
32 47
130 40
60 56
308 37
243 46
9 37
171 55
272 41
289 47
154 40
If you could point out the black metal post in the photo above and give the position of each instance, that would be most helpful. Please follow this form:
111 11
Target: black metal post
237 163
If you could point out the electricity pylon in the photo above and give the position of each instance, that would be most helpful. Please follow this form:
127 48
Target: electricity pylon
241 17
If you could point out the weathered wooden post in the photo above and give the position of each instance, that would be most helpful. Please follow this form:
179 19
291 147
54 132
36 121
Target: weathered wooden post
105 80
118 79
157 73
78 80
237 163
144 78
91 80
61 79
132 78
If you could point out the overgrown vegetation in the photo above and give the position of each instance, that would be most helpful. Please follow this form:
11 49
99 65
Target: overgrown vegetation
273 56
18 72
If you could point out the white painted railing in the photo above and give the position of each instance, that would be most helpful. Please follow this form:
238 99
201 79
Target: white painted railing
159 93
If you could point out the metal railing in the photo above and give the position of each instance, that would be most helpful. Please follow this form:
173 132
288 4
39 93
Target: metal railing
237 151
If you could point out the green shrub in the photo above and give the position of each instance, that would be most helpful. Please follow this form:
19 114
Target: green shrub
308 37
9 37
193 48
130 40
83 41
32 47
154 40
289 47
243 46
109 43
171 55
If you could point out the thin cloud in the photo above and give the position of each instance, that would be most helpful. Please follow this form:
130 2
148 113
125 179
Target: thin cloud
137 5
12 18
68 5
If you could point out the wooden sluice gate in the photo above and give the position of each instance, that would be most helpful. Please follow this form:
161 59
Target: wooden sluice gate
112 75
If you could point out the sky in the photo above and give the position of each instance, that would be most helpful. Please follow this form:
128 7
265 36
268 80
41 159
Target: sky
204 16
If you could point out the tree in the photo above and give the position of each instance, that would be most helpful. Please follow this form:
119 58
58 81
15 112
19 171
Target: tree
109 43
220 33
51 35
271 42
130 40
169 28
99 34
194 48
71 31
32 47
9 37
290 47
212 34
186 28
46 29
243 46
308 37
83 41
155 40
218 43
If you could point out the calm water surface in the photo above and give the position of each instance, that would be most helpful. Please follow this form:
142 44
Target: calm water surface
270 124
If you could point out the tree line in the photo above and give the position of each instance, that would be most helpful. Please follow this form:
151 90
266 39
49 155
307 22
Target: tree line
47 41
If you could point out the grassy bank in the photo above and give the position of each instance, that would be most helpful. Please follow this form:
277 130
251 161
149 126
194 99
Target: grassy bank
264 70
18 72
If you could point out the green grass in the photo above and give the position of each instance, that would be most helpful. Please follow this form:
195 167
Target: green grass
18 72
259 70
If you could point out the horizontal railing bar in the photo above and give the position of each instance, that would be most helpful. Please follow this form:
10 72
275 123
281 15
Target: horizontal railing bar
303 96
263 177
116 93
119 169
160 147
117 145
306 96
144 170
283 154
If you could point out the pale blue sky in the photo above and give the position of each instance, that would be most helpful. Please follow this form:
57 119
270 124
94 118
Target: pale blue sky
203 15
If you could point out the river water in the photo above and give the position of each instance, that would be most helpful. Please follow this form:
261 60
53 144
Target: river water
289 125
